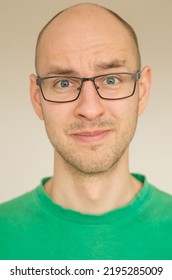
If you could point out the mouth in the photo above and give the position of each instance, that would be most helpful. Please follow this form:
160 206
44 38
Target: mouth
91 136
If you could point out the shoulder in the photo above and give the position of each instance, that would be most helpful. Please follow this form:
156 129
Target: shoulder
160 205
154 190
161 198
160 195
27 202
17 205
155 199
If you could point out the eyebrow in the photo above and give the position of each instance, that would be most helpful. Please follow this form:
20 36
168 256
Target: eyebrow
57 70
116 63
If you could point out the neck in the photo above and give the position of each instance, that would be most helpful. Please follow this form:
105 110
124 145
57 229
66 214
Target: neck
92 194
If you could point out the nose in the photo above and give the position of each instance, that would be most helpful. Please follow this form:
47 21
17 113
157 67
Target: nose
89 104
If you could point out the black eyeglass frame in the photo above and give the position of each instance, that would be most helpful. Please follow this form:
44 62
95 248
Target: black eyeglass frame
136 76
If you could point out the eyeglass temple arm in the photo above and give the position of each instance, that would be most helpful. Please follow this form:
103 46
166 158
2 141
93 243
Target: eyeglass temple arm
138 74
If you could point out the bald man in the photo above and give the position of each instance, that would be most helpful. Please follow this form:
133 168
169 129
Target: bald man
89 90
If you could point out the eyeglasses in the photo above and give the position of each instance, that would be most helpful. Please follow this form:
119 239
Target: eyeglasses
112 86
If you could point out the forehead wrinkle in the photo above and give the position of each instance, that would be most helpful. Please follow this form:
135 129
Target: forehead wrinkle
58 70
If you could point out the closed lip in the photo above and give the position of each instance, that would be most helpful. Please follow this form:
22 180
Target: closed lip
91 136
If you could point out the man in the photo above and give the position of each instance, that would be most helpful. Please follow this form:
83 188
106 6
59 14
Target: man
89 90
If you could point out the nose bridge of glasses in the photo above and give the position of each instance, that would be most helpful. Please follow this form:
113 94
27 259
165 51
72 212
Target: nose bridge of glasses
92 79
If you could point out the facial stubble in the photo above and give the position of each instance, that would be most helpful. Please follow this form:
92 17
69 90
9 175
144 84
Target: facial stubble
91 159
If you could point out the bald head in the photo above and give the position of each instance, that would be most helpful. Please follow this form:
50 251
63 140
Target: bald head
85 14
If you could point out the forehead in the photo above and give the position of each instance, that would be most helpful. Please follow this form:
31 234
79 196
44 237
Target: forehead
85 37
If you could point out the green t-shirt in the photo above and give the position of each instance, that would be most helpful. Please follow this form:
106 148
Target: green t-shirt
34 227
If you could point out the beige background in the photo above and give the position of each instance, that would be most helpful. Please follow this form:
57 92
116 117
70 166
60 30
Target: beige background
25 153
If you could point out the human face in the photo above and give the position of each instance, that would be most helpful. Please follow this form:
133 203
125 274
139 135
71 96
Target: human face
90 135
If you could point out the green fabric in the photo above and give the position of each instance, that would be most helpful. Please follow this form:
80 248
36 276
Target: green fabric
34 227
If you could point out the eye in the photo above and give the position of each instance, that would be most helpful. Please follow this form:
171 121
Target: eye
111 81
63 83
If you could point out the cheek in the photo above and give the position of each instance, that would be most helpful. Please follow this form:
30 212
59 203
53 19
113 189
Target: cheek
125 113
56 116
125 109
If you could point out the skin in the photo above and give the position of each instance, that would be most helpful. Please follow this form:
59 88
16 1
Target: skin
90 136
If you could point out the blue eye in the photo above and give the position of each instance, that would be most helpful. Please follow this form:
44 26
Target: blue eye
111 81
64 83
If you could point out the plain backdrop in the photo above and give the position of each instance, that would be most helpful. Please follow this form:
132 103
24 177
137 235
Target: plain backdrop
25 152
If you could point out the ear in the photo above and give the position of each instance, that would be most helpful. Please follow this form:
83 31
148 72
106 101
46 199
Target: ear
144 88
35 96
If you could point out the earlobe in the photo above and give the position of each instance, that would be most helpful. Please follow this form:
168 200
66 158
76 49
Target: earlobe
144 89
35 97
